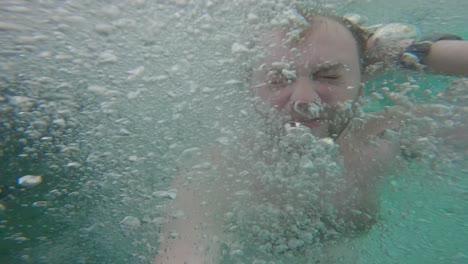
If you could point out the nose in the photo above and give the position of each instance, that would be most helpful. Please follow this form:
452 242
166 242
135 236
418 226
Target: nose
304 92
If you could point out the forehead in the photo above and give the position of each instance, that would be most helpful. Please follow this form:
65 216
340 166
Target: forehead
325 40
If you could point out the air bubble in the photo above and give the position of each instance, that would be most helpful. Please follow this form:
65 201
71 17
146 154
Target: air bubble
30 180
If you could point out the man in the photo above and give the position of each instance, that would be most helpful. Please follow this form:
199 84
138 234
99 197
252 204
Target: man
314 81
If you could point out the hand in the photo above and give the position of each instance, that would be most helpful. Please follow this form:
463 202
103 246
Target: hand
414 56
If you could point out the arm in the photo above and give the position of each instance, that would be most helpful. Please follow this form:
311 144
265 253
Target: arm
439 53
368 153
192 233
449 124
183 239
449 57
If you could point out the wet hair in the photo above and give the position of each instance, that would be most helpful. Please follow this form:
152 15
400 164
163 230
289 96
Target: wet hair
360 35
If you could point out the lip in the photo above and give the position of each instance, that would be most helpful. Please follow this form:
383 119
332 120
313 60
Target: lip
313 123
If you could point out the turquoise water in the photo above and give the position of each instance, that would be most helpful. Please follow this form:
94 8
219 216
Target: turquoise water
423 208
101 99
424 219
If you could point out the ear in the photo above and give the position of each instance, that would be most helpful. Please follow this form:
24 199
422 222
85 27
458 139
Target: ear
373 62
361 90
359 95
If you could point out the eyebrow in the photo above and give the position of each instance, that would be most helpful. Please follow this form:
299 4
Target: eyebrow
328 66
323 66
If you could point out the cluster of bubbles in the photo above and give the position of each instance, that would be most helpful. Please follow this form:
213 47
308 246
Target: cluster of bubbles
99 100
74 115
280 189
103 103
290 205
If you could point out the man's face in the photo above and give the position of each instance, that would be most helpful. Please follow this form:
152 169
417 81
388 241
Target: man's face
306 78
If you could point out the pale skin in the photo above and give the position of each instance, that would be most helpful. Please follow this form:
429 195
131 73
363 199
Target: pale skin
326 66
448 57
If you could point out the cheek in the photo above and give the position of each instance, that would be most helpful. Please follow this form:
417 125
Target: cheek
349 89
330 93
275 97
333 94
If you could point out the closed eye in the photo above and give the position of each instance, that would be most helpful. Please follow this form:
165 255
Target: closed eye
329 76
329 72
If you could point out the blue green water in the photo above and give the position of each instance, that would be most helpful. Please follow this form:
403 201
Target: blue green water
424 209
424 216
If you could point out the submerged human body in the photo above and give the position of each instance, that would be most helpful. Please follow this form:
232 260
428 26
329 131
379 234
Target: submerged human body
310 82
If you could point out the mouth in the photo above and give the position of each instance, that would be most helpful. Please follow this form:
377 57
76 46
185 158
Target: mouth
316 127
312 123
308 114
322 120
308 111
